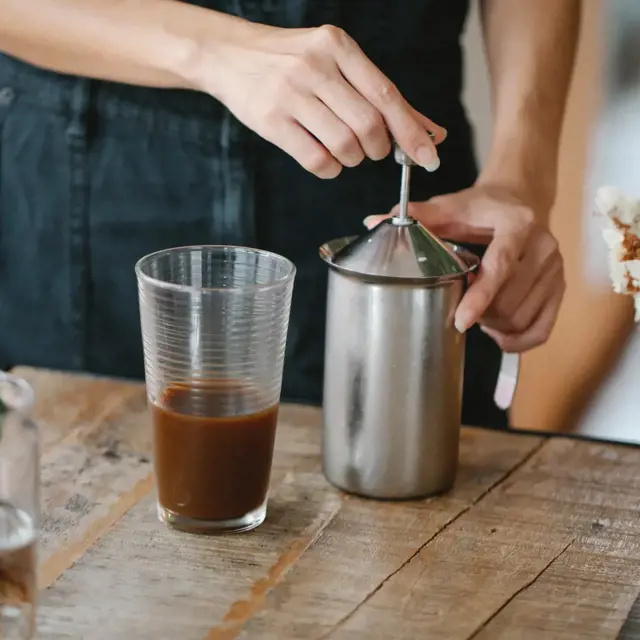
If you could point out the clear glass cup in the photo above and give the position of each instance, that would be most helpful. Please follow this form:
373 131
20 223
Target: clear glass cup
214 326
19 508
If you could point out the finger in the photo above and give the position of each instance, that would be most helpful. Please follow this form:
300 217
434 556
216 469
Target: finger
536 335
334 134
418 211
450 217
440 133
532 278
478 215
373 221
501 256
541 257
303 147
523 316
409 131
547 286
358 114
441 219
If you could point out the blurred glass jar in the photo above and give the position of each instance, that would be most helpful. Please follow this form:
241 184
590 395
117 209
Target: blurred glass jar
19 508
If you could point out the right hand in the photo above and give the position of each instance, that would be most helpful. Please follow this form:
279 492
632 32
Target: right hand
316 95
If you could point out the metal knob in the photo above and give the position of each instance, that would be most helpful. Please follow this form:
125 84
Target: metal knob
401 156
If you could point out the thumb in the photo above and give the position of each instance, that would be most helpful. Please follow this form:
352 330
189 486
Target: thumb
373 221
457 217
430 214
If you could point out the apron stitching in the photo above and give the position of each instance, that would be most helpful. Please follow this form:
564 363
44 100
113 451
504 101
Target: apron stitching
79 270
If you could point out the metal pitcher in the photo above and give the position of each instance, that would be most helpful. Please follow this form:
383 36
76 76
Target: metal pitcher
394 361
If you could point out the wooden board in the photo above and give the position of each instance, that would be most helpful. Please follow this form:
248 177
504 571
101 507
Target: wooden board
540 538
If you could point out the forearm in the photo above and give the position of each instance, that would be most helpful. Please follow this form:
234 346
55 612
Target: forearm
530 49
143 42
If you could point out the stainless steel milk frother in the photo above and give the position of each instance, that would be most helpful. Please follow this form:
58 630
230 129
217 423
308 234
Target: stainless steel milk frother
393 360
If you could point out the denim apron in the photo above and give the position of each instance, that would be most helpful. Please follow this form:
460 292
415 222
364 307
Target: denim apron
93 175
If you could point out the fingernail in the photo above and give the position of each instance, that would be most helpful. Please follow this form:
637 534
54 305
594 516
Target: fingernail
460 326
433 166
463 321
427 158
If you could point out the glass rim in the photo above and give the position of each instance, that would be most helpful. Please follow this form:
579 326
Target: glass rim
21 396
172 286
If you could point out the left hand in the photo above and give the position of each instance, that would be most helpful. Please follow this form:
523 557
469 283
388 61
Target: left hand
517 293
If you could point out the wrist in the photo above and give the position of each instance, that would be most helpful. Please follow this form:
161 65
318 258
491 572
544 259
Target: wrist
527 170
533 194
212 46
194 44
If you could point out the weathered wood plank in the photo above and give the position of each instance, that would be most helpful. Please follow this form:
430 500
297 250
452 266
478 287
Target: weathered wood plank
589 591
316 558
69 403
144 580
553 552
585 592
95 463
369 541
539 539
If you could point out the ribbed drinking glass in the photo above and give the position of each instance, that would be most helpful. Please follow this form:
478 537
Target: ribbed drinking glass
214 326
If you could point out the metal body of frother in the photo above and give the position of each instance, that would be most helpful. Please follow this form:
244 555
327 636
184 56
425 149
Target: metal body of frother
393 360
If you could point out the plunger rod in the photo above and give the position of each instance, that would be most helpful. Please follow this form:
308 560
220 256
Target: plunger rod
405 182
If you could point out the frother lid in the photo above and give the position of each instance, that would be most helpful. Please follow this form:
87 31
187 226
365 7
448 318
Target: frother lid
400 250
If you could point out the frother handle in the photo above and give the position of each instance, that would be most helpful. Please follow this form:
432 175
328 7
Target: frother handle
401 156
507 380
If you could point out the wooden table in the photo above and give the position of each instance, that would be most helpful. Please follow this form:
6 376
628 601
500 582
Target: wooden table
539 539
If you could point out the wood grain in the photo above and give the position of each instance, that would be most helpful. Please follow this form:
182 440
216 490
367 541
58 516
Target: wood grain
540 538
312 548
95 463
369 542
552 552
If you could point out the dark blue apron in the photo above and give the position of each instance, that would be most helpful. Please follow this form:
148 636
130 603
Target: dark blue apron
94 175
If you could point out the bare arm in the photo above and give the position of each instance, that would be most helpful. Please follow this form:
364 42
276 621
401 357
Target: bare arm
520 285
530 48
143 42
312 92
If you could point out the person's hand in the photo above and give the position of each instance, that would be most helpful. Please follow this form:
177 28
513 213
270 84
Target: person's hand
314 94
517 293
